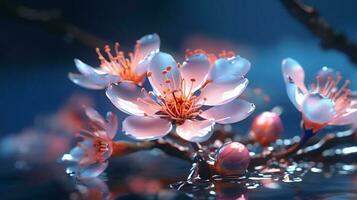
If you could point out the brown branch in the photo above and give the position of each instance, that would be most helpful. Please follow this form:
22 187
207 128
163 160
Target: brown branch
330 39
310 152
328 142
171 149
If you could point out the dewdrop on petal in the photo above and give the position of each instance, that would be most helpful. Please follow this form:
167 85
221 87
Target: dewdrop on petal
232 159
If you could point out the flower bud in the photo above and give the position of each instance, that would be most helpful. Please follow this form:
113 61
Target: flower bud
232 159
266 128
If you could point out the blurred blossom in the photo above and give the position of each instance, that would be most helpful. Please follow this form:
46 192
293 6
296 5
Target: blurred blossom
118 67
323 103
90 155
50 136
71 117
34 146
93 188
180 92
146 186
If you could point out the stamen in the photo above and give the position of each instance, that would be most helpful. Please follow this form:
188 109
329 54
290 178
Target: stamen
342 88
329 78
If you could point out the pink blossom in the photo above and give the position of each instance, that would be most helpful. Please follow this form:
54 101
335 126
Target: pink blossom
193 96
117 67
325 102
91 154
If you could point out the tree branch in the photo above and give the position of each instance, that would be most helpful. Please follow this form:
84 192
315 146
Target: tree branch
330 39
50 21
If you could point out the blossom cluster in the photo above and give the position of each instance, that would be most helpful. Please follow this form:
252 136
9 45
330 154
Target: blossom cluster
188 98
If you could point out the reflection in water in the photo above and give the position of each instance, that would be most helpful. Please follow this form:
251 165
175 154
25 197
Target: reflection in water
305 180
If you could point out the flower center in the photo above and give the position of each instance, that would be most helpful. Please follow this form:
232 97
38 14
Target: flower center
178 101
211 56
120 65
329 89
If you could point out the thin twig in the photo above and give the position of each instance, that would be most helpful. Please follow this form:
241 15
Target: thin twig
50 21
330 39
124 148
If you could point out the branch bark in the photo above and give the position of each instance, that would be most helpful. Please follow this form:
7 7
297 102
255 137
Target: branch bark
311 19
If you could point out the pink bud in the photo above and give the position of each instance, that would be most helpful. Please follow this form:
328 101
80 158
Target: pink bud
232 159
266 128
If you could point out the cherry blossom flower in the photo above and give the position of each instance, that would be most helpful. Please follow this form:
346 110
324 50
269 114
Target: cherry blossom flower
183 96
325 102
91 154
117 67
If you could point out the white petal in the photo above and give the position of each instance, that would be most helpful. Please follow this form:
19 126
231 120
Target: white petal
218 93
77 153
158 64
323 75
349 117
83 67
318 109
231 112
146 128
126 97
195 131
95 116
112 125
94 169
232 67
295 95
94 186
84 81
149 44
197 68
293 72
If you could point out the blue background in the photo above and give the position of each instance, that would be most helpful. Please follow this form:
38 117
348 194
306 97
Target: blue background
34 63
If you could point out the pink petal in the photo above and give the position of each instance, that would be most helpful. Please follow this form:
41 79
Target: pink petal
146 128
221 92
346 119
295 95
195 131
197 68
323 75
112 125
149 44
293 72
94 185
318 109
225 68
85 82
231 112
157 79
94 169
127 97
93 115
83 67
77 153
